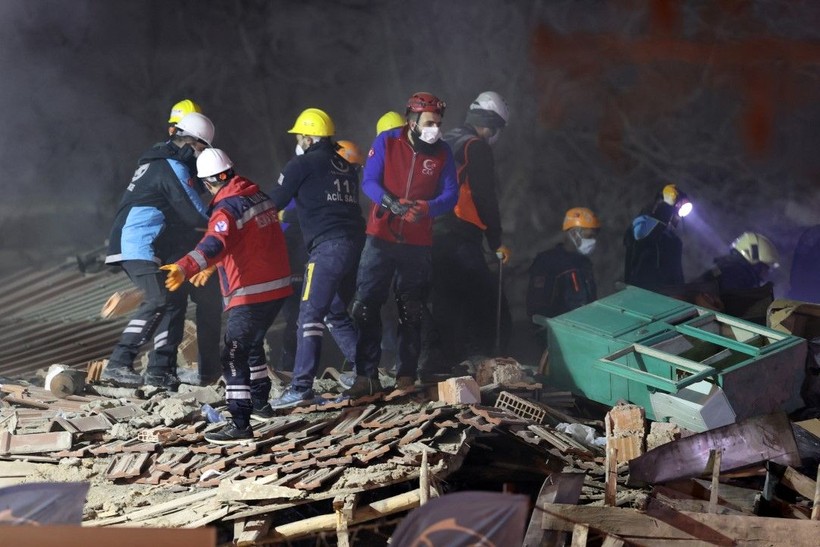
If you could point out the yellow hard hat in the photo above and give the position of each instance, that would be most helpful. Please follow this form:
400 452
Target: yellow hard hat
390 120
313 122
349 151
580 217
181 109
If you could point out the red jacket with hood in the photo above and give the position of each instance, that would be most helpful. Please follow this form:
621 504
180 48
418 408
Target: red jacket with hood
245 239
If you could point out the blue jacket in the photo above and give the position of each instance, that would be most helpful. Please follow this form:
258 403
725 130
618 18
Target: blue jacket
326 190
413 172
160 209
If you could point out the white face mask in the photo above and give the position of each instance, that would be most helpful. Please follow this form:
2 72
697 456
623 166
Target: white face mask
494 139
586 246
299 150
430 134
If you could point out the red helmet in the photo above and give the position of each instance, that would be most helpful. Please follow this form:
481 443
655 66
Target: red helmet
425 102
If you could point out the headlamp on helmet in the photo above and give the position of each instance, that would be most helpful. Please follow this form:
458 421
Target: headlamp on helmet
677 199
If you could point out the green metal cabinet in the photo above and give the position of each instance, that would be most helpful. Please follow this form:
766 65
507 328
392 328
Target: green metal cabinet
683 363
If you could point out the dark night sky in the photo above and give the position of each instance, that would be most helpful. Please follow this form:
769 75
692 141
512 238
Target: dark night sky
610 101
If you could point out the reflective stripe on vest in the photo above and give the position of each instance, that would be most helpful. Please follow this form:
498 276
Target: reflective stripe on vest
280 283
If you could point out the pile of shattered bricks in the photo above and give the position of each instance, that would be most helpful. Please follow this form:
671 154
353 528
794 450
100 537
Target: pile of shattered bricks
338 469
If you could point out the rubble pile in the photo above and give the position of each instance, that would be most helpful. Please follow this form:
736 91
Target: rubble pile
333 468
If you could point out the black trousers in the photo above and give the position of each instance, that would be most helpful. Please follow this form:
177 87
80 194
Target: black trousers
159 319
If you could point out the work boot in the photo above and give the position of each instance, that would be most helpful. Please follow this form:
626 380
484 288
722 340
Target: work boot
262 412
189 376
121 376
291 398
230 435
164 380
347 379
405 383
362 387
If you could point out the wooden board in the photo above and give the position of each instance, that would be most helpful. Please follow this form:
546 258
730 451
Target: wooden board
643 529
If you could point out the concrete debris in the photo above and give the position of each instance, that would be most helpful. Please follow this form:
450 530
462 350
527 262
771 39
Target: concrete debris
149 465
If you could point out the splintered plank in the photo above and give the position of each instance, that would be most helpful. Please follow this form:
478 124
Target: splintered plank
253 529
557 488
752 441
644 529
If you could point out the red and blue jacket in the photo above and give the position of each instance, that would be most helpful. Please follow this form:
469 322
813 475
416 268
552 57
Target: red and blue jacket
396 166
245 239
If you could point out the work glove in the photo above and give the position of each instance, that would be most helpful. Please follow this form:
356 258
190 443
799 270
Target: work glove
503 253
418 210
395 205
176 277
199 279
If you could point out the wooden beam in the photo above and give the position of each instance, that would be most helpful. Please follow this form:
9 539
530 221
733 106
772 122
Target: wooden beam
580 532
611 481
671 516
713 496
327 523
557 488
799 482
344 507
635 527
815 510
762 438
424 480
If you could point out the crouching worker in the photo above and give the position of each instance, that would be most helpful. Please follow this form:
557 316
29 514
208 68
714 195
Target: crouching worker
244 238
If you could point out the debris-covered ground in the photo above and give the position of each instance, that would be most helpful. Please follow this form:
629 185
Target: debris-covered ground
367 465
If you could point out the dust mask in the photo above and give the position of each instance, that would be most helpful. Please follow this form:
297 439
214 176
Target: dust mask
586 246
299 150
430 134
494 138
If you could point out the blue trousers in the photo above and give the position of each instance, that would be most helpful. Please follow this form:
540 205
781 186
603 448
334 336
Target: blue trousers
244 365
409 269
329 284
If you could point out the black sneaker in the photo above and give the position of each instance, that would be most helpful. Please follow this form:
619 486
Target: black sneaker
262 413
121 376
164 380
230 435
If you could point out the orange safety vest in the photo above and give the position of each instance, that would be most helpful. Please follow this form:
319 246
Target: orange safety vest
465 207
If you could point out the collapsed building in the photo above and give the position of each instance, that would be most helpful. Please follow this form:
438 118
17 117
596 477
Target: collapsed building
649 422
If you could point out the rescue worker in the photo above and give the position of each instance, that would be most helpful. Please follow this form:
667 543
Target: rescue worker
741 277
561 279
465 291
298 257
654 252
207 298
326 189
804 277
410 177
245 241
153 224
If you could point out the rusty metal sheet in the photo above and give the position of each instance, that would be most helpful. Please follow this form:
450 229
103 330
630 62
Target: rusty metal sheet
752 441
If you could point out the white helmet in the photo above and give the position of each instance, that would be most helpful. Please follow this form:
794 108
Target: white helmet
197 126
756 248
492 101
211 162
